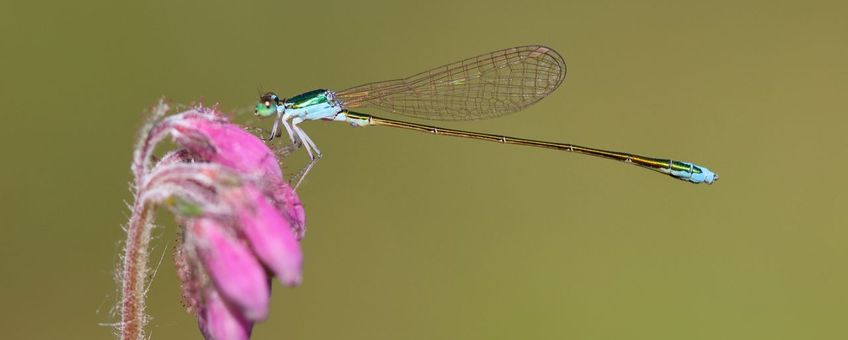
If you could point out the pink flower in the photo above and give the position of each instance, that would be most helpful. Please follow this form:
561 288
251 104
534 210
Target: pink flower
241 222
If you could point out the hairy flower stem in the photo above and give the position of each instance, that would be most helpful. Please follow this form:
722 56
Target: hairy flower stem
133 318
135 269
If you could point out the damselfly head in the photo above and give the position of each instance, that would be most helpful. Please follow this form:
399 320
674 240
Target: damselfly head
267 105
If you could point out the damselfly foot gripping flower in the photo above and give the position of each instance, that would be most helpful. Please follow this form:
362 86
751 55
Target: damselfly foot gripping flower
241 223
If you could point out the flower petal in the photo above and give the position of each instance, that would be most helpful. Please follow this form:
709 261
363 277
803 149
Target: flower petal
234 270
287 201
231 146
219 321
271 236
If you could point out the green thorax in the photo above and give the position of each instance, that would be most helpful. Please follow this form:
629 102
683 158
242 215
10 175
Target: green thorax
307 99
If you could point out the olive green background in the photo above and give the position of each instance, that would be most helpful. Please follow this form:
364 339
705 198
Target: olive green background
413 236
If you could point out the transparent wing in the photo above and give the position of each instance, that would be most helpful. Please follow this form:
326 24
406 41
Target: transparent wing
485 86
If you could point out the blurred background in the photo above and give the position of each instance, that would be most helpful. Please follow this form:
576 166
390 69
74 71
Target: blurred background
444 238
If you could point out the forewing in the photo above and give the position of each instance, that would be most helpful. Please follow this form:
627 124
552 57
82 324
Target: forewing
485 86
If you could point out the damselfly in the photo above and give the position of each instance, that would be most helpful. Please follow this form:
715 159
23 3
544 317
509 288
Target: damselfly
485 86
